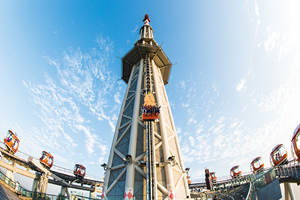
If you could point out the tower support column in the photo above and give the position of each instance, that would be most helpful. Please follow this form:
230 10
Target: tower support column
165 146
152 154
40 183
64 190
288 191
9 173
130 171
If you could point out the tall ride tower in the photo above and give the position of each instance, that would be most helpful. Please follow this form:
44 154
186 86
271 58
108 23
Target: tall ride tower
145 161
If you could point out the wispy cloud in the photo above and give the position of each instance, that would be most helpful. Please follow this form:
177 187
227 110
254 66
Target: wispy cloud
237 135
256 9
240 85
178 129
117 98
79 93
135 30
272 37
185 105
182 84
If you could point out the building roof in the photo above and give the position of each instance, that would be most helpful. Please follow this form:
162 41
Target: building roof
138 52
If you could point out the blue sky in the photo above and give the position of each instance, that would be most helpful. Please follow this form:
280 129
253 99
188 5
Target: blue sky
234 88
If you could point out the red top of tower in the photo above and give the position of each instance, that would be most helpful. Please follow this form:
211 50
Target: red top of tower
146 19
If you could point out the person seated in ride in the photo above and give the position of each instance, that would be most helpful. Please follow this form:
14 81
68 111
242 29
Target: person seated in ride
277 157
9 138
143 108
153 110
15 144
157 111
148 110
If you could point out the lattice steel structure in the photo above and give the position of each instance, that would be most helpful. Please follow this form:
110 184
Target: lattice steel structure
145 161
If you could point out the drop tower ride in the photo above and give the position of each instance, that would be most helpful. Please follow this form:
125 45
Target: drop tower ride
145 161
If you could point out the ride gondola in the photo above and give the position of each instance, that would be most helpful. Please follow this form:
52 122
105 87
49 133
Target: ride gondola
257 165
296 143
79 171
46 159
213 176
150 111
11 142
235 171
188 179
278 155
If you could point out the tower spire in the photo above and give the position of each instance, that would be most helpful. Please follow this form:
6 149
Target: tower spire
146 32
146 19
145 161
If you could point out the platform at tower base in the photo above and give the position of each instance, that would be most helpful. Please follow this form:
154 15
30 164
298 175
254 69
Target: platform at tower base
6 193
264 185
271 191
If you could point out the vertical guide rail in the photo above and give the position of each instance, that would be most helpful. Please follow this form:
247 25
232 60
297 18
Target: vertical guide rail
153 162
147 162
150 175
148 135
151 141
150 144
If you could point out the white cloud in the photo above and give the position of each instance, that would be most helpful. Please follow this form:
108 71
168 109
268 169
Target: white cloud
117 97
192 141
235 133
240 85
258 22
199 128
192 120
135 30
112 126
185 105
256 9
284 47
182 85
221 120
67 106
178 129
233 125
272 38
214 86
90 139
101 160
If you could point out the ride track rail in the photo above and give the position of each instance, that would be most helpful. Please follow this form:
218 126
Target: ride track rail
59 168
289 172
61 176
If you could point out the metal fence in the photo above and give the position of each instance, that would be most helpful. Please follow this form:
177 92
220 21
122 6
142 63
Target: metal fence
292 169
24 192
259 182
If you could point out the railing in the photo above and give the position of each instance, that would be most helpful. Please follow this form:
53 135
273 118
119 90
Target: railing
57 168
259 182
227 180
80 197
24 156
201 195
24 192
292 169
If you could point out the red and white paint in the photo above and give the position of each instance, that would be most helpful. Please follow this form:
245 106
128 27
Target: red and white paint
103 196
128 194
171 195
